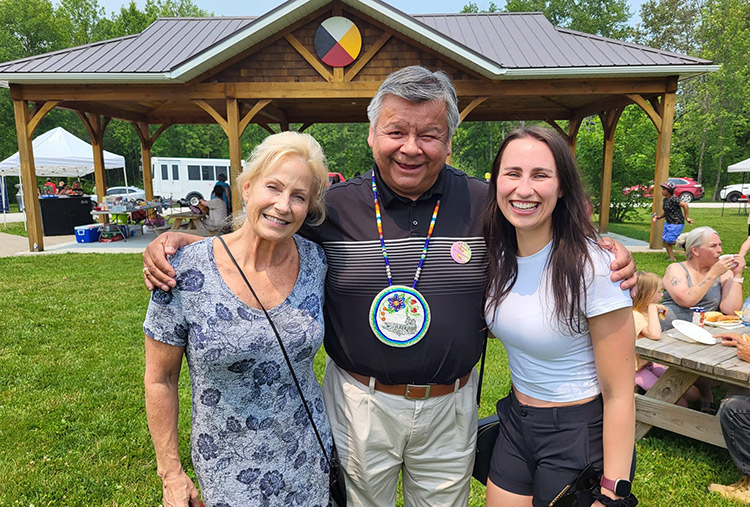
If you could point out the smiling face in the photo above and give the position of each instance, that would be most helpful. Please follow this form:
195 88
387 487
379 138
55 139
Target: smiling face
527 190
410 143
278 200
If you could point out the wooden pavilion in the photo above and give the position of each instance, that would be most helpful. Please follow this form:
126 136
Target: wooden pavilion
312 61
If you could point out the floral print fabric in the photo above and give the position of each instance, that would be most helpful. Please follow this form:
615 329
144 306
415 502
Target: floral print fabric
251 440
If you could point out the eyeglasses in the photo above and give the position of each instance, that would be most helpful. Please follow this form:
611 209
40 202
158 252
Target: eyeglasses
585 481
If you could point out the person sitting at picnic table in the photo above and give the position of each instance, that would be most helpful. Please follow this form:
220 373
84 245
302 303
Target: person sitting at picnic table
215 208
647 315
63 189
706 279
674 223
734 416
251 440
76 189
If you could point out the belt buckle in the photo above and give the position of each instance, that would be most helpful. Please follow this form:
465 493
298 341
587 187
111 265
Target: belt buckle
426 388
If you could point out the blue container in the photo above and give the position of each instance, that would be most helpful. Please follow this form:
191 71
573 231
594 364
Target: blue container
88 233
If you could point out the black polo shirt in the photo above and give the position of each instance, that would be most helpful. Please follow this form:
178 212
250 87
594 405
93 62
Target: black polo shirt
356 274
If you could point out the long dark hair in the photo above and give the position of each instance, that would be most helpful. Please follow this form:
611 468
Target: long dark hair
572 233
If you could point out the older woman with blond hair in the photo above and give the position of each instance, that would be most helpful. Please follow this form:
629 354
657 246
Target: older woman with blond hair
251 440
707 278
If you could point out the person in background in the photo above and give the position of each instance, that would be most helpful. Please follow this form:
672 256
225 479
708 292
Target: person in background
49 187
647 313
707 278
63 189
251 440
76 189
567 330
227 196
674 223
401 410
215 209
734 416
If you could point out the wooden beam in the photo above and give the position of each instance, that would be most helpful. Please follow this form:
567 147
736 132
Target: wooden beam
147 142
557 128
472 105
669 388
267 127
573 125
357 89
214 114
37 116
28 177
365 58
680 420
235 152
661 171
251 114
648 109
609 122
312 60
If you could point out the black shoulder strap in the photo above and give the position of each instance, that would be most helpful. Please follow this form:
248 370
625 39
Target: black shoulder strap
283 350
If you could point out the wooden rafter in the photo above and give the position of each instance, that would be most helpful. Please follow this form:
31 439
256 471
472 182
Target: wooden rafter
305 127
38 112
251 114
214 114
648 109
365 58
558 128
309 58
472 105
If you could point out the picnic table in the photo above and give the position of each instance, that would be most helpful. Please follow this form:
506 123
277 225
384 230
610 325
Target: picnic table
685 362
194 221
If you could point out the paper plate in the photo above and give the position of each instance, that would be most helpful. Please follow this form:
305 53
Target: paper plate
695 333
724 324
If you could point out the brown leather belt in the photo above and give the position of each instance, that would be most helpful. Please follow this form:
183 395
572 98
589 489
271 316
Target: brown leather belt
412 391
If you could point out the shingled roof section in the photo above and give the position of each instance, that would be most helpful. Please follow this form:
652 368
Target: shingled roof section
515 41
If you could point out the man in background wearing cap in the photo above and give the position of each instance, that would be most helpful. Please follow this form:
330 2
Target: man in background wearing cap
672 212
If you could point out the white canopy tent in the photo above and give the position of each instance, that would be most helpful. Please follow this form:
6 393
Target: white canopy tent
58 153
740 167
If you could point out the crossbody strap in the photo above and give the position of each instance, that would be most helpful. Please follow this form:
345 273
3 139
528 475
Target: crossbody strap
283 350
481 368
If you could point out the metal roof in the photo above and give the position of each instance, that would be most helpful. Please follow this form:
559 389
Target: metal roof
519 45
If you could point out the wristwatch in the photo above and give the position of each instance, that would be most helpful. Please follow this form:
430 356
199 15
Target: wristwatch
621 487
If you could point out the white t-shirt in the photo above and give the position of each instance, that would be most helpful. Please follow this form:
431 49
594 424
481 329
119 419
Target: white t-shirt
217 212
546 361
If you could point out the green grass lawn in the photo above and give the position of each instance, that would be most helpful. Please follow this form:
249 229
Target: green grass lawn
72 422
15 228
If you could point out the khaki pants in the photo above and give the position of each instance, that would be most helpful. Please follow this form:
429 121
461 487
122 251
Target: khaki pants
379 435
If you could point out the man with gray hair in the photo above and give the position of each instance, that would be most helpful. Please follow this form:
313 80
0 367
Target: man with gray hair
404 315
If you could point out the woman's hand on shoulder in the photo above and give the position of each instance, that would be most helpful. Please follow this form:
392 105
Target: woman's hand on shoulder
179 491
157 272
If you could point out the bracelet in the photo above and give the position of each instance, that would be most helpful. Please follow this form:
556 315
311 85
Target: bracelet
738 279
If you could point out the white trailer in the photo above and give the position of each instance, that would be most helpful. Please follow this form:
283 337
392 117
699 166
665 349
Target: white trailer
187 178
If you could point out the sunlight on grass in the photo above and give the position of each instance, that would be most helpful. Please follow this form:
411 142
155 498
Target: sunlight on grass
72 420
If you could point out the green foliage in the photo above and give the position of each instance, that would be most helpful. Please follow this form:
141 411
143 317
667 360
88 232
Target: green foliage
602 17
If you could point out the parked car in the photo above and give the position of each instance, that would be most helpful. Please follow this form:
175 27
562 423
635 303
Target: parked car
335 178
125 192
687 189
732 193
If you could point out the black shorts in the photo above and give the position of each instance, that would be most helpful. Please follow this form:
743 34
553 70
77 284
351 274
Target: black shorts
540 450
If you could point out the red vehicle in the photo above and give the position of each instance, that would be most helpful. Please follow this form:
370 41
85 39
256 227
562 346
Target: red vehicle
687 189
335 178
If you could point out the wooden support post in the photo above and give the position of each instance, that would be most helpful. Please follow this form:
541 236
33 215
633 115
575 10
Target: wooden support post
609 122
96 125
235 150
573 125
661 172
147 142
28 176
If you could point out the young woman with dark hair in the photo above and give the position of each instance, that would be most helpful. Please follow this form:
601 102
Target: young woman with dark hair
567 328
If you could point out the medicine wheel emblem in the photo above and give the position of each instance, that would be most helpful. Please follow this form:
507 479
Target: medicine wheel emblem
338 41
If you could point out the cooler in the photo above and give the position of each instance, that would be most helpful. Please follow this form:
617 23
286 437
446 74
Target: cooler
88 233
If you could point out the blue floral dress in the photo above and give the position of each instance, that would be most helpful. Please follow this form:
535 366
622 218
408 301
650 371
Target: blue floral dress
251 440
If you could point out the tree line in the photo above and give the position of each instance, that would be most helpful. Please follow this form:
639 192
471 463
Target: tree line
711 114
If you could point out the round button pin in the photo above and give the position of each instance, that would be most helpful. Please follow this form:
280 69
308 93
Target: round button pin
461 252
